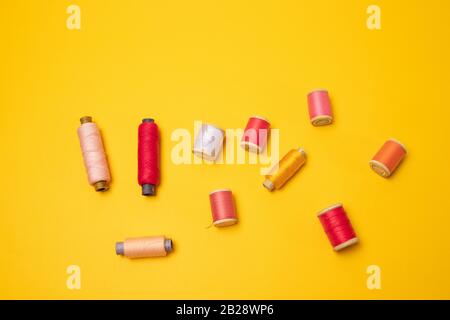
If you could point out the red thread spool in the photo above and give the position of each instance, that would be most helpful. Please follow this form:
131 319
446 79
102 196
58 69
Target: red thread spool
337 226
222 208
256 134
388 158
319 107
148 157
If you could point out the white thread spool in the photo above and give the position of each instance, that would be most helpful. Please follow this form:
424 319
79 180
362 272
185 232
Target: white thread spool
209 142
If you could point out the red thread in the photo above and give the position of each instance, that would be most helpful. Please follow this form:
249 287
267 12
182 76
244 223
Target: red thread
337 226
256 134
148 153
222 207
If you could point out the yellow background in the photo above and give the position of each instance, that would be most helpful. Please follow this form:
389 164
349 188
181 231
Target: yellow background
222 61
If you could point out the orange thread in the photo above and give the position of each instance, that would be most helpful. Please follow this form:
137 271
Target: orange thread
388 158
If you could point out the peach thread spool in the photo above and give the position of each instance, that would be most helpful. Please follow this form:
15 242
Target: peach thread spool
255 134
319 107
285 169
337 226
388 158
144 247
94 154
223 208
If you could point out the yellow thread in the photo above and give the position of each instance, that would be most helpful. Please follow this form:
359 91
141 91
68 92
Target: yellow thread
285 169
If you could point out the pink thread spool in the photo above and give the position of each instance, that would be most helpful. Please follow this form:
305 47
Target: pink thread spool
319 106
94 154
256 134
222 208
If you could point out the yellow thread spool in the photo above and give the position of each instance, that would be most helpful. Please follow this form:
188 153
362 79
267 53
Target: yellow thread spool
285 169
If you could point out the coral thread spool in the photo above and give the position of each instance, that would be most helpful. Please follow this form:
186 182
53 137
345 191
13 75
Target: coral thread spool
319 107
148 157
388 158
337 226
144 247
256 134
223 208
285 169
94 154
209 142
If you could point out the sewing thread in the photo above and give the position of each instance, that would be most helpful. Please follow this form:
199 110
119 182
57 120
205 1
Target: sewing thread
144 247
285 169
94 154
388 158
223 208
148 157
337 226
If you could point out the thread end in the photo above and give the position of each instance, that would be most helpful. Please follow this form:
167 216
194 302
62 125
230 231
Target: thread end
85 119
148 189
268 184
101 186
120 250
168 245
148 120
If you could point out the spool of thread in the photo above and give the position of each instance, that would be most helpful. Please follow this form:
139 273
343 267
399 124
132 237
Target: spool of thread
388 158
148 157
337 226
223 208
144 247
209 142
256 134
94 154
319 106
285 169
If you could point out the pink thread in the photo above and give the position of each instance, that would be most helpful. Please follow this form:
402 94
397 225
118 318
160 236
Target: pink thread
319 106
93 153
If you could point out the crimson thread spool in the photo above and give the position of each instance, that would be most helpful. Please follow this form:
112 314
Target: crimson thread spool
256 134
144 247
337 226
148 157
387 159
319 106
94 155
223 208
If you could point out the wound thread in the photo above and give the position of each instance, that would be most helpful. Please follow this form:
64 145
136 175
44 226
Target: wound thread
209 142
94 155
148 157
337 226
223 208
256 134
144 247
388 158
319 107
285 169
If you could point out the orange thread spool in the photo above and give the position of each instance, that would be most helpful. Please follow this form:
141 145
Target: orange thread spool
388 158
144 247
285 169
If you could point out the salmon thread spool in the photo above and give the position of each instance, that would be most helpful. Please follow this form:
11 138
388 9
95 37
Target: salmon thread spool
319 106
223 208
337 226
144 247
94 155
388 158
285 169
148 157
209 142
255 134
